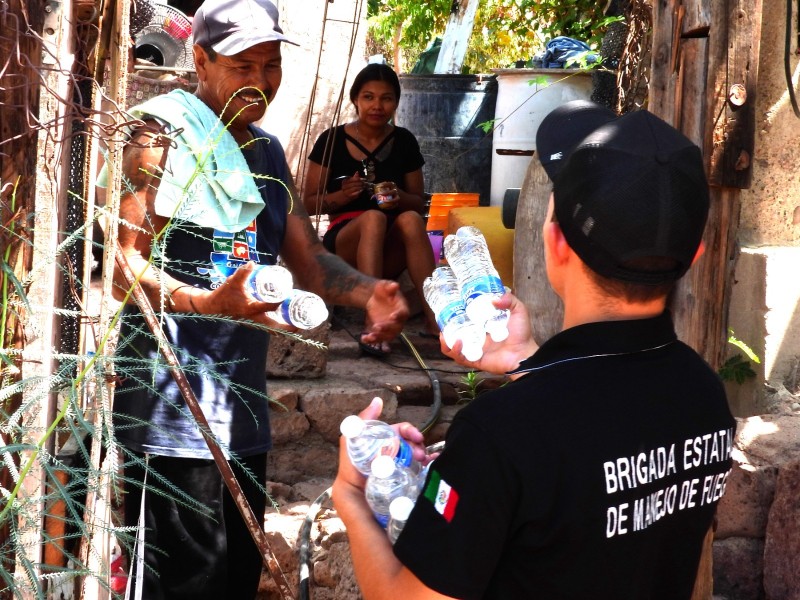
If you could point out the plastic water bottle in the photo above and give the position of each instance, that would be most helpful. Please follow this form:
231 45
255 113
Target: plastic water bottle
468 255
270 283
302 309
368 439
386 482
442 293
399 509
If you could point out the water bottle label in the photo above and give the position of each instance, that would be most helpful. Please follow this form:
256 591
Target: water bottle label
485 284
449 311
399 450
382 519
284 310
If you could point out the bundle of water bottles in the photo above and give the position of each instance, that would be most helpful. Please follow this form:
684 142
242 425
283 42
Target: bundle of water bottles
273 283
394 478
460 295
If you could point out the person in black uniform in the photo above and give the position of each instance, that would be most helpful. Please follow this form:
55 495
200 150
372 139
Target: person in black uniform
595 473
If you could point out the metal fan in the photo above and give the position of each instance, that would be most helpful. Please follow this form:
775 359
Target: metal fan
166 40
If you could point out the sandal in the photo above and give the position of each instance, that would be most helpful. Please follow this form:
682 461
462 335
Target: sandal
376 349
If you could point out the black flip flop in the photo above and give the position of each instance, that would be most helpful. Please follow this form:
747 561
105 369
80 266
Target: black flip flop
371 349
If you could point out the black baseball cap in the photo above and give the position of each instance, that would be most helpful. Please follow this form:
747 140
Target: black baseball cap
632 188
233 26
565 126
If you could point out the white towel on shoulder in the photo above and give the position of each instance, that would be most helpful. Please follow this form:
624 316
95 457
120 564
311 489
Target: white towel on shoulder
206 179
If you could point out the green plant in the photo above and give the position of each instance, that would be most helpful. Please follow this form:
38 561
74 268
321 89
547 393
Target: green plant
42 482
580 19
505 30
471 382
737 368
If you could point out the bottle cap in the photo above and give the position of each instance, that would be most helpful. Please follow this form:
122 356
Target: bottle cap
383 466
400 508
352 426
472 352
497 330
271 283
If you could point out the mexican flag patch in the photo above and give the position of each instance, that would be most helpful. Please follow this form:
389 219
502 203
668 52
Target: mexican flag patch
441 494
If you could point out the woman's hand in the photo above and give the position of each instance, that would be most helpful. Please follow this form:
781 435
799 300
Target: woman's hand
353 186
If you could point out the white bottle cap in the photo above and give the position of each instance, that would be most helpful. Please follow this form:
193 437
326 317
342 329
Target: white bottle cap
272 283
352 426
472 352
497 330
400 508
383 466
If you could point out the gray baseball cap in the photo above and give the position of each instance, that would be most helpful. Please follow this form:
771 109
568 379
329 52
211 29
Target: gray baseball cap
233 26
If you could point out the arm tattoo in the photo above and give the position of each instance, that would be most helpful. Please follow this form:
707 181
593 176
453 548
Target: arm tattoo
338 276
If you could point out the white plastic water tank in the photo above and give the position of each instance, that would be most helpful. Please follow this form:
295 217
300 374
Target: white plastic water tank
524 98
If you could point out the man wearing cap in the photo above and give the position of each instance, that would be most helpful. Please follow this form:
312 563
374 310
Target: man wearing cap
206 197
595 472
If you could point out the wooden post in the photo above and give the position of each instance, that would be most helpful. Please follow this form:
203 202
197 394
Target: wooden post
18 108
530 276
456 37
41 334
704 71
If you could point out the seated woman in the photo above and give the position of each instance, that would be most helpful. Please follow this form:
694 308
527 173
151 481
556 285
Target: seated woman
367 176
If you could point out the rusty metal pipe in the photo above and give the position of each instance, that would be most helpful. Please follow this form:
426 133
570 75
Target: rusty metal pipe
253 524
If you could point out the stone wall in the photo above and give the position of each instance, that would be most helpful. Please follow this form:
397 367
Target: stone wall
302 466
763 311
757 542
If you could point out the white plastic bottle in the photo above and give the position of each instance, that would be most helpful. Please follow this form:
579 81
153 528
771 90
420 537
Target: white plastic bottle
270 283
304 310
387 481
468 255
443 295
399 509
365 440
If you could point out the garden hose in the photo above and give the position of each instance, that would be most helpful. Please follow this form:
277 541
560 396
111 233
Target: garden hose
786 62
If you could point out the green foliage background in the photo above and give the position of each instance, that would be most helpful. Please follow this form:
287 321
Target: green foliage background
505 30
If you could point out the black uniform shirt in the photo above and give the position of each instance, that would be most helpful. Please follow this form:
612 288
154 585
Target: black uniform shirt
596 475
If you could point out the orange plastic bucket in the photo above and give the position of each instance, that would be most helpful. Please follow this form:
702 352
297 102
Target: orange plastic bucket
441 203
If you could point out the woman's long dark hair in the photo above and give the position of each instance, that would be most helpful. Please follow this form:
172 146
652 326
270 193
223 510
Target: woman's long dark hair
375 72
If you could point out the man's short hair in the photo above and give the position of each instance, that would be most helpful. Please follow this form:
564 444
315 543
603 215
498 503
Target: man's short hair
631 188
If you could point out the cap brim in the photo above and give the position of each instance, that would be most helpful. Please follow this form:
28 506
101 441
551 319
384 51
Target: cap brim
234 44
563 129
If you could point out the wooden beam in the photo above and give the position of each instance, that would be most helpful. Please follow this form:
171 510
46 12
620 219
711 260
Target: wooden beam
44 292
732 78
663 74
700 303
531 285
690 64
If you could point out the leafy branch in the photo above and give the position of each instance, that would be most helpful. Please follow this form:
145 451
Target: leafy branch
738 368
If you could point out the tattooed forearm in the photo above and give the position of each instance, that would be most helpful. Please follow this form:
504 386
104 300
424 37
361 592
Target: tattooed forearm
339 278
